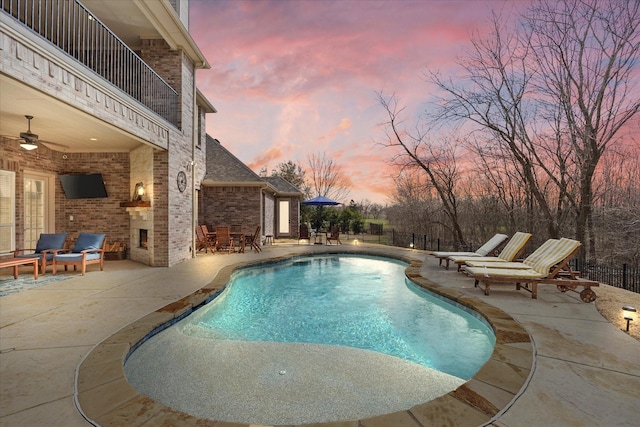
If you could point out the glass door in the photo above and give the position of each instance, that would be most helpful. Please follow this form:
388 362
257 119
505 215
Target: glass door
283 217
7 211
37 208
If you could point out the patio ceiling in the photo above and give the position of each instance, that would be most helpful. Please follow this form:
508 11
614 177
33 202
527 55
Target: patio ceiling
57 122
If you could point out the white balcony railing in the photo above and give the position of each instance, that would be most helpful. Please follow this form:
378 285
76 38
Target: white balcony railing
71 27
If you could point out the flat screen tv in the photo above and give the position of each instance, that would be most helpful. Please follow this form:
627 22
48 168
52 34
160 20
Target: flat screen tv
83 186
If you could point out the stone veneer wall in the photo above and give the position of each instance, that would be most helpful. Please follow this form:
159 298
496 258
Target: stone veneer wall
142 217
269 215
89 215
232 205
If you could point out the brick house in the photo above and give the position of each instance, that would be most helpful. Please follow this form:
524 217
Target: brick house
232 194
112 91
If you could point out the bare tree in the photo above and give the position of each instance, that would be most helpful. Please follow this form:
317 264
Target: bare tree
415 151
327 178
552 98
492 98
587 54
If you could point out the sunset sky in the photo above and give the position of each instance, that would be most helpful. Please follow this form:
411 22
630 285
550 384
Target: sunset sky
292 78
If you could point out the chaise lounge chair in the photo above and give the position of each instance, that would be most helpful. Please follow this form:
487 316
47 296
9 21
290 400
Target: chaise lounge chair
511 250
89 249
547 265
47 245
483 250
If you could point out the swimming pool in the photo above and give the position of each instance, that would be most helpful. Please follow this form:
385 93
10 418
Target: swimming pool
251 355
355 301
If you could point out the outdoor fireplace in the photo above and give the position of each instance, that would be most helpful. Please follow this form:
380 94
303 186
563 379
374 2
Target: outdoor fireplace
143 238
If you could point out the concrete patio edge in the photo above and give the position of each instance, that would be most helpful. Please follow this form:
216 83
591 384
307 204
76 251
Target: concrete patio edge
104 397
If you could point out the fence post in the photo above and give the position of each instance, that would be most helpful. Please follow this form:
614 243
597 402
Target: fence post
413 240
393 237
424 239
438 243
624 276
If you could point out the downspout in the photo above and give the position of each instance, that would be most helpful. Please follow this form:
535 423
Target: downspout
194 140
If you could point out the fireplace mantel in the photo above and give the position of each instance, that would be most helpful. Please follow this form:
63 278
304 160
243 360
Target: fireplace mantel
136 204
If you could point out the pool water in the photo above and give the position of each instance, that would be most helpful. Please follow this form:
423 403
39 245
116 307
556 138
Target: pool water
356 301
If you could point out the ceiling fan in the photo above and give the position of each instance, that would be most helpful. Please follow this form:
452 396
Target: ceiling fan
29 140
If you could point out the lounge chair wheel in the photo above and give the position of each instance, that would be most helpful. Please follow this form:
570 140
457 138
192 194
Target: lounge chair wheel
587 295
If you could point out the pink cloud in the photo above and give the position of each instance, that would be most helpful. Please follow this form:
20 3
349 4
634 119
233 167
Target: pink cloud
291 78
272 155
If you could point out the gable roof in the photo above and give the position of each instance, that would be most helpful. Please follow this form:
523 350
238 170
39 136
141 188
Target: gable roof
282 186
223 168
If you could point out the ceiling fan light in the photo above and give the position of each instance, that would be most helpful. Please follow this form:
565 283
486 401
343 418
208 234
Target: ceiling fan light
28 145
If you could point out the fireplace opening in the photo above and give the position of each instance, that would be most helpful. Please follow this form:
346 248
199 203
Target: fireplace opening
143 238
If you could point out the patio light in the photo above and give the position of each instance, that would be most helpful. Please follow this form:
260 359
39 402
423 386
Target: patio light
138 192
630 314
28 145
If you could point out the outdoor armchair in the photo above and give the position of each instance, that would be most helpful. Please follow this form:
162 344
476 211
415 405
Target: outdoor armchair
88 249
46 247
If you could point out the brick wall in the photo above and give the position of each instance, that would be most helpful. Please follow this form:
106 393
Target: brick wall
230 206
89 215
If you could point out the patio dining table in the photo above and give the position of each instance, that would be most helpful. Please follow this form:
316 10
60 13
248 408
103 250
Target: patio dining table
317 237
238 236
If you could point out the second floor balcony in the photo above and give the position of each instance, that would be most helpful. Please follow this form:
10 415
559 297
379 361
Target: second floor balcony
74 29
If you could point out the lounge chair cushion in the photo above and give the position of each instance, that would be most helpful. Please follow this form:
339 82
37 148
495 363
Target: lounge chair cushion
75 257
514 246
50 241
88 241
491 244
36 255
440 254
555 255
537 255
483 250
512 273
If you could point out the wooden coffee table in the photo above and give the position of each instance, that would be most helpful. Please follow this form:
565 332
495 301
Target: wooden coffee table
16 262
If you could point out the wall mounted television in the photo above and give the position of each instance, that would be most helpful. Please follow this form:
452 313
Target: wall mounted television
83 186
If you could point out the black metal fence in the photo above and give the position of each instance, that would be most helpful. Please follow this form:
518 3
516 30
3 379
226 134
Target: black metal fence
624 276
621 276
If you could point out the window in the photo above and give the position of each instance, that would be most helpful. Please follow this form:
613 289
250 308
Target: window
7 211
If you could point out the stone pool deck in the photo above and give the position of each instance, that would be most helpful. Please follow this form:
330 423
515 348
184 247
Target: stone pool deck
557 361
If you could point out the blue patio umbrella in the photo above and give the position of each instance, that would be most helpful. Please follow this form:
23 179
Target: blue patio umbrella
320 201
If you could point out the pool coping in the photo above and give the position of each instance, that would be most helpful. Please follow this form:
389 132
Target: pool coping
104 397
